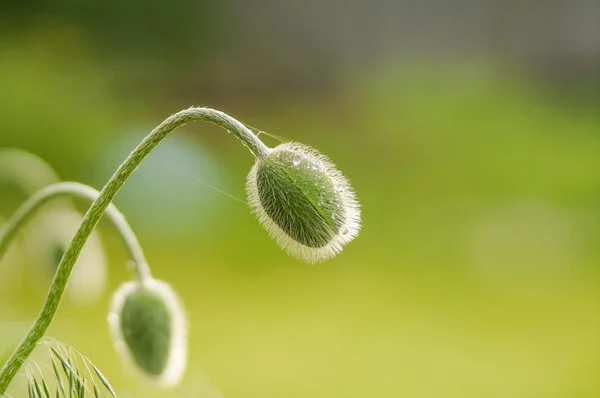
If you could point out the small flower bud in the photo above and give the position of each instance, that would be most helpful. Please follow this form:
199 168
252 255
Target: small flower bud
10 271
148 325
304 202
49 236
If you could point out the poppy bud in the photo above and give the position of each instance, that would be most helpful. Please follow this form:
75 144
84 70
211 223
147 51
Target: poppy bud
148 325
303 201
10 271
48 237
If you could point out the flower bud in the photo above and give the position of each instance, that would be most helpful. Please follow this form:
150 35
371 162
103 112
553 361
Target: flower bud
148 325
304 202
11 268
49 236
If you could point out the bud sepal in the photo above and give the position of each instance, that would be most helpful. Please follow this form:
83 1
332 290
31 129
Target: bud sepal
149 329
303 201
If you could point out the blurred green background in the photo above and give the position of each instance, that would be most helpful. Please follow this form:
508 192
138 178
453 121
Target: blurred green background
470 131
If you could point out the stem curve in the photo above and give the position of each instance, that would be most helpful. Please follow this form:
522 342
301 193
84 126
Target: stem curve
97 209
74 189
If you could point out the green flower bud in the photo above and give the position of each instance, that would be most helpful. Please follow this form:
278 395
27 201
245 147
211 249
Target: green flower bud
149 328
48 237
10 271
304 202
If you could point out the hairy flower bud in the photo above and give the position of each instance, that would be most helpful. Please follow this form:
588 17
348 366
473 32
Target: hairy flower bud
303 201
148 325
48 238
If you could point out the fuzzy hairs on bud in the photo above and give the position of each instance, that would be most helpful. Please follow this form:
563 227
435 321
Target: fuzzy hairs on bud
148 325
303 201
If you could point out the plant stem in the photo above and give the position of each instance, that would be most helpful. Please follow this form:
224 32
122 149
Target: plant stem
97 209
35 202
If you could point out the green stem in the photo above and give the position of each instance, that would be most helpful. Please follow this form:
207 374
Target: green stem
95 212
35 202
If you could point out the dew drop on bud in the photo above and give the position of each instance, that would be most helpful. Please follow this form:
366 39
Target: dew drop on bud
304 209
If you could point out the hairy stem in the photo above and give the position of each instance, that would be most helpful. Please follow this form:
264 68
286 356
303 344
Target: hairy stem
97 209
74 189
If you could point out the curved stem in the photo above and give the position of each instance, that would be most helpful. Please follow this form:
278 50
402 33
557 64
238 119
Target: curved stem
95 212
26 170
35 202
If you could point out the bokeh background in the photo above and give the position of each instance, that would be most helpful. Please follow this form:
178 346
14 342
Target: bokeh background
469 129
